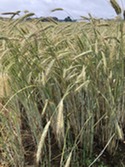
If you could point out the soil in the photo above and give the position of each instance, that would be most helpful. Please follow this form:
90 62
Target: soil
106 160
115 160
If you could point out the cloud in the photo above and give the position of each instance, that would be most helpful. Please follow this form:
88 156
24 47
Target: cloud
76 8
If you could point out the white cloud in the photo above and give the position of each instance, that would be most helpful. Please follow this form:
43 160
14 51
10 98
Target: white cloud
76 8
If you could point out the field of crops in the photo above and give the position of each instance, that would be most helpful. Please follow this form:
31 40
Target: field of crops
62 93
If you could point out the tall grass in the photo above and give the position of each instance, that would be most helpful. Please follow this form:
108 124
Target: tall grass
67 91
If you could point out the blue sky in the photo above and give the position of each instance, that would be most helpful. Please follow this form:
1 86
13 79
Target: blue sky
76 8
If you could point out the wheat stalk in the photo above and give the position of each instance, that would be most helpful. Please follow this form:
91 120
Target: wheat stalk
41 143
67 164
116 6
60 124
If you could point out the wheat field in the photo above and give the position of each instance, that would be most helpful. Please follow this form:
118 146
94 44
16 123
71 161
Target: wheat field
61 92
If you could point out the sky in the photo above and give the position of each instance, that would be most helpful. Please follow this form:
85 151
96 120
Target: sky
73 8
